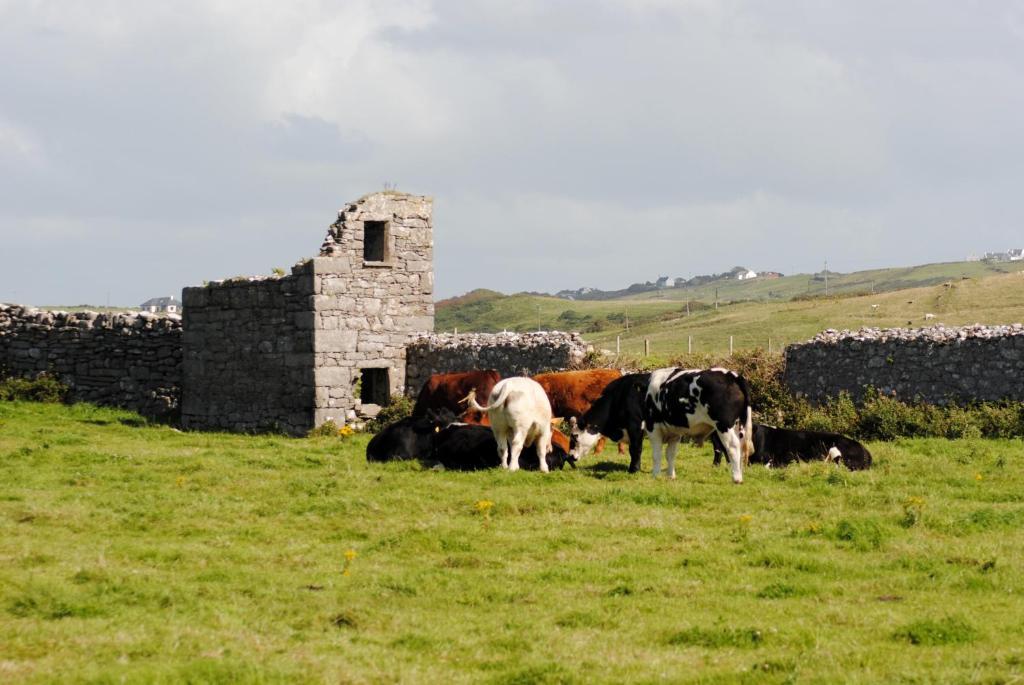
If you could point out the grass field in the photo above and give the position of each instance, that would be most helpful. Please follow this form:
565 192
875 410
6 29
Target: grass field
133 553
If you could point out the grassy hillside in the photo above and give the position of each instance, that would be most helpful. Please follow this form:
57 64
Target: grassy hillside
998 299
802 285
661 317
146 555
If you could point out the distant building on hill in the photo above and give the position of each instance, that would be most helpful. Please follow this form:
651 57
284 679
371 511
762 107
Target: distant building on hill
746 275
166 305
1011 255
770 274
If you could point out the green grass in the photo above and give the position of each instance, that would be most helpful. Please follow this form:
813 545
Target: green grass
142 554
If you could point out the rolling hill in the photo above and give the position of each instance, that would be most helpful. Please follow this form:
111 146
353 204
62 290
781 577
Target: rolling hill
753 312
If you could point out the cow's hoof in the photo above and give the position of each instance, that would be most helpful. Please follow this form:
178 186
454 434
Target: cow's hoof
634 469
737 481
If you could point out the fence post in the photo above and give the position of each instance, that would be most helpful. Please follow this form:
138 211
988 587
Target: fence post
456 331
689 344
730 345
769 345
647 347
618 344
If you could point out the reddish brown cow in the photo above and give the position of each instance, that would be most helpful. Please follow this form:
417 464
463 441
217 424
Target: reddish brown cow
445 390
572 392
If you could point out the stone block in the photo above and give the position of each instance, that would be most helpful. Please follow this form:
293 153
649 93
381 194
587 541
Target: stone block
338 340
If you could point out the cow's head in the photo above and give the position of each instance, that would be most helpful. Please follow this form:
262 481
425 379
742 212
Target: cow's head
582 440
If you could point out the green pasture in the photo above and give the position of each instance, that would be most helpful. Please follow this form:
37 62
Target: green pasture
137 553
664 322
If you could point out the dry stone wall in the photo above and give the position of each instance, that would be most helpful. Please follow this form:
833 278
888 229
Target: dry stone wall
130 360
936 364
511 354
248 355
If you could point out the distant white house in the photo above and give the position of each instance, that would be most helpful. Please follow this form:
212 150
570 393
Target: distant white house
1012 255
746 275
167 305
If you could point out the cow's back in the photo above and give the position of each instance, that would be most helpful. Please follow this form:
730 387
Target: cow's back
572 393
447 390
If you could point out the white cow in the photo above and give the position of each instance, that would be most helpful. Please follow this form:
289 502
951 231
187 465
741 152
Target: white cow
520 416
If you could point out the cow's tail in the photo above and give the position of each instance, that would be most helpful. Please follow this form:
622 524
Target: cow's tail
470 399
747 444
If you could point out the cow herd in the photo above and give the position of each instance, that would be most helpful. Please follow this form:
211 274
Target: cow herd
515 427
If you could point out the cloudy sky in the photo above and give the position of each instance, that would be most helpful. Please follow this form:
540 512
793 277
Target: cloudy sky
149 146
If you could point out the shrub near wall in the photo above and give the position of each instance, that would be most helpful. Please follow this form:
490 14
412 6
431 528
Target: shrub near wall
875 416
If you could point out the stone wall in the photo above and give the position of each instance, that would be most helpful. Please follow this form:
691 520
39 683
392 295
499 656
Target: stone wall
937 364
130 360
248 355
511 354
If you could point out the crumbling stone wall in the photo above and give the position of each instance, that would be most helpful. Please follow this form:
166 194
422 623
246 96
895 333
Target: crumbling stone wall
937 364
289 353
511 354
130 360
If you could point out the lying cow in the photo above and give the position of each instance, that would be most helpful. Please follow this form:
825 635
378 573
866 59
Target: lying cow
782 446
520 416
618 415
697 403
409 438
466 447
446 390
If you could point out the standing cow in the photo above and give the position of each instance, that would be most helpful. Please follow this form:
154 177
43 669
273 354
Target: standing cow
617 414
697 403
520 416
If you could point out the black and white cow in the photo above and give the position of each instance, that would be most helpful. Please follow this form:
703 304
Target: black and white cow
409 438
470 447
782 446
618 414
697 403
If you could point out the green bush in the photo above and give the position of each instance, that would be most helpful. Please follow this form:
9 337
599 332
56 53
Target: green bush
42 388
397 409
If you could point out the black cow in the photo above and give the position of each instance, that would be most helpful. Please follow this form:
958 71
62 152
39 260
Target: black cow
697 403
782 446
409 438
468 447
617 414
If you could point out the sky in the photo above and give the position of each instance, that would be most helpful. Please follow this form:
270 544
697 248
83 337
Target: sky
145 147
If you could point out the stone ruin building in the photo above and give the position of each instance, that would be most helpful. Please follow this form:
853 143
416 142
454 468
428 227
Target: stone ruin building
334 339
327 341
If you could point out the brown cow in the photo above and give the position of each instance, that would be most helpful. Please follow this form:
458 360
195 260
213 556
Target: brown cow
445 390
572 392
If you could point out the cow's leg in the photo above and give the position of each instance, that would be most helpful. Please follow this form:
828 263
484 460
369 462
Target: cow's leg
600 445
670 456
636 447
655 437
733 449
518 440
543 446
503 450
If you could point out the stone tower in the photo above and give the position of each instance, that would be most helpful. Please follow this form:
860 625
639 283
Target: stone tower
329 340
